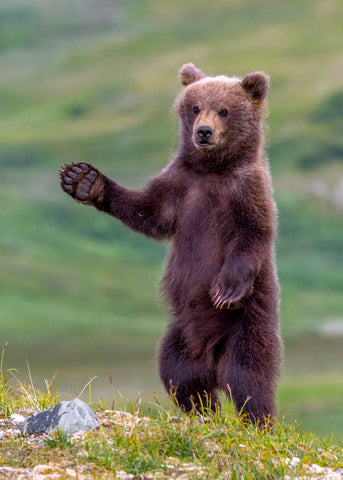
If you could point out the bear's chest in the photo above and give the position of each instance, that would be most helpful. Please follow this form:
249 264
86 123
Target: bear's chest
205 212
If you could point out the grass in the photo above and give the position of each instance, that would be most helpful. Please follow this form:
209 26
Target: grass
160 443
79 292
16 396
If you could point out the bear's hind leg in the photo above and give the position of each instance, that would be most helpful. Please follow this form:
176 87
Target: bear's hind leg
250 369
190 382
253 395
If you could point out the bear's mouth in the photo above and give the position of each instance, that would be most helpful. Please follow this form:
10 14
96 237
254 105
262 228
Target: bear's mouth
204 144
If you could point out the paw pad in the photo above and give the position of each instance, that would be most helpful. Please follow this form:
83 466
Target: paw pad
77 180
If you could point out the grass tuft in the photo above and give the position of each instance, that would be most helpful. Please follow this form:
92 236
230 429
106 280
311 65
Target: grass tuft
16 396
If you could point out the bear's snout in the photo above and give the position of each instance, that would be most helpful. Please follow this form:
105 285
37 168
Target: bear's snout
204 132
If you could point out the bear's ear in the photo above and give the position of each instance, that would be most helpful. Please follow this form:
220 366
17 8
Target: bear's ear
256 84
188 74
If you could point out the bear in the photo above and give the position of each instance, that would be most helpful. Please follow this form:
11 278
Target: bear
214 203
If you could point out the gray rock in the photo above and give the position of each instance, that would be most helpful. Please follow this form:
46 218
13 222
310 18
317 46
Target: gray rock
71 417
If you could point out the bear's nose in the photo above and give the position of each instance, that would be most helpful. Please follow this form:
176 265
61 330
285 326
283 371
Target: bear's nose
204 132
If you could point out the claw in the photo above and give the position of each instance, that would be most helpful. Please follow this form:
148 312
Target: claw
219 303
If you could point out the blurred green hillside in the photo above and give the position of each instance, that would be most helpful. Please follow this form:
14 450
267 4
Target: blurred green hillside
95 81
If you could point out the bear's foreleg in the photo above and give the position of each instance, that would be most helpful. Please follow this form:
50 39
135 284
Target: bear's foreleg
150 211
251 248
190 382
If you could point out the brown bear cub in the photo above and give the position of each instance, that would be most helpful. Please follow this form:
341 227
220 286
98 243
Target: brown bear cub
214 202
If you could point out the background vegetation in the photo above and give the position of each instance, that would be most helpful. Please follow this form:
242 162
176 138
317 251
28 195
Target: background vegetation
95 81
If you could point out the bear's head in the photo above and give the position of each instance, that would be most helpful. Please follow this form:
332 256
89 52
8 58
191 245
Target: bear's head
220 116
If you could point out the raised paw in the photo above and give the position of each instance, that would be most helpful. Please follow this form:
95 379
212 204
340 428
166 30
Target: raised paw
81 181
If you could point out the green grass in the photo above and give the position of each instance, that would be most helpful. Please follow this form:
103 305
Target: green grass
160 442
79 292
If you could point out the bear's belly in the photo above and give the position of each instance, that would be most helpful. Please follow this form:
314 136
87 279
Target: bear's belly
195 259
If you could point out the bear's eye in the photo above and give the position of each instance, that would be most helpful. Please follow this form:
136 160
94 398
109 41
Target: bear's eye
196 110
223 112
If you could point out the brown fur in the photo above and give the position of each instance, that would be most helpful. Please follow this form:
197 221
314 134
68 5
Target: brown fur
214 202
